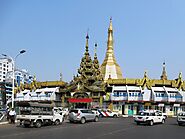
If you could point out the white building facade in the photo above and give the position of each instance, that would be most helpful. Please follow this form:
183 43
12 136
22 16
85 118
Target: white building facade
5 67
45 95
21 77
129 100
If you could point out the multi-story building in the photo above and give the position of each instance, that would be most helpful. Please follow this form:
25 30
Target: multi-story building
21 77
129 96
5 66
5 93
44 95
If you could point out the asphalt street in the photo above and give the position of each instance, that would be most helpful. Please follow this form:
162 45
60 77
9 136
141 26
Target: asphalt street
106 128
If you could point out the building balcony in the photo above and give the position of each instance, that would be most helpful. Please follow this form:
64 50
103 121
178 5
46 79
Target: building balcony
135 98
161 99
175 99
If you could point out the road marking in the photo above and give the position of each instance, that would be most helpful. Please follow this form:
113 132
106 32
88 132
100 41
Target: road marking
111 133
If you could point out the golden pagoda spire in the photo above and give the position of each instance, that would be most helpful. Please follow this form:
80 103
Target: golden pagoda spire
87 44
110 49
95 50
164 74
110 66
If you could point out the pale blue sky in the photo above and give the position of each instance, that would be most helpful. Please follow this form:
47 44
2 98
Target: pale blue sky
146 32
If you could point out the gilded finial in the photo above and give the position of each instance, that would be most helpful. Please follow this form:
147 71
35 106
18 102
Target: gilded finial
180 75
61 77
164 75
34 78
95 50
145 74
87 36
110 26
87 44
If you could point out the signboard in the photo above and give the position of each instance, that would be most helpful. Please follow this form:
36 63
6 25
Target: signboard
176 105
80 100
161 105
147 104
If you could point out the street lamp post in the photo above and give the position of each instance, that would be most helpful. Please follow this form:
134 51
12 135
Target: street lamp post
13 72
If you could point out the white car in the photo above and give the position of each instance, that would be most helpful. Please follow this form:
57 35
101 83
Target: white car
181 118
149 117
108 113
164 114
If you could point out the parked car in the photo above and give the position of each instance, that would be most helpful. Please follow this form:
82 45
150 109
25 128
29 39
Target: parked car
96 111
149 117
181 118
108 113
82 115
164 114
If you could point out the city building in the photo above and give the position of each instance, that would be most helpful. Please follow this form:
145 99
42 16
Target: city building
129 96
5 66
44 95
5 93
6 74
21 77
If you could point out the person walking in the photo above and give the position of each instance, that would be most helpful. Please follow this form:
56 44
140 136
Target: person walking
12 115
7 114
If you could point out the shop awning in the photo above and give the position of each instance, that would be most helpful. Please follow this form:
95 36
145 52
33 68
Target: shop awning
80 100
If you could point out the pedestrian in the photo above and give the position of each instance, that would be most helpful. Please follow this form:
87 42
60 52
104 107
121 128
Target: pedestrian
7 114
12 115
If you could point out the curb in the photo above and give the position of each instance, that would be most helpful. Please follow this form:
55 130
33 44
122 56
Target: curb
2 123
6 122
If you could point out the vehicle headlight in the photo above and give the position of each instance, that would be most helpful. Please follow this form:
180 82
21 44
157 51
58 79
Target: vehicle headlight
147 117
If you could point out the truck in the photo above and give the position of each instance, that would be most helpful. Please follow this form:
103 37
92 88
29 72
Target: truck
34 114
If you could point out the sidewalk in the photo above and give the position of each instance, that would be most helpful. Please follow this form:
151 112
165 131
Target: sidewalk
2 123
6 122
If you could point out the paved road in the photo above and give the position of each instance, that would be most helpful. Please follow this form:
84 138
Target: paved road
106 128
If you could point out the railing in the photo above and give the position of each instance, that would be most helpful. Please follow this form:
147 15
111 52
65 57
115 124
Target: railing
161 98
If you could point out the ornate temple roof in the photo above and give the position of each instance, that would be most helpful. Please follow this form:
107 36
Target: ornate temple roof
89 77
147 82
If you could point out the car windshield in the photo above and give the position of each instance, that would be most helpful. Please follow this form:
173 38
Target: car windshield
181 114
144 113
75 111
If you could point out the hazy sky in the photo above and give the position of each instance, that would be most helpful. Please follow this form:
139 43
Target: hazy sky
146 32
